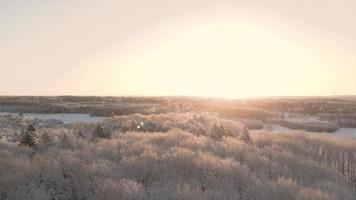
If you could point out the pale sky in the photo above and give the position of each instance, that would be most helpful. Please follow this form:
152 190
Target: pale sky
223 48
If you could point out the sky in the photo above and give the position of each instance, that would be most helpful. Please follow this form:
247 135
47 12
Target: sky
215 48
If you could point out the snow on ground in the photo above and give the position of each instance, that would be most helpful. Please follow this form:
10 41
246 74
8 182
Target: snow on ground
72 118
66 118
341 132
345 132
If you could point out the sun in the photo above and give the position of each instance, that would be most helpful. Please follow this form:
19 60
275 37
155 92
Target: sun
212 58
225 60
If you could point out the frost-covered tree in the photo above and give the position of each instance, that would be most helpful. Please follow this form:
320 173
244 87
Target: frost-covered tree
45 139
101 132
218 131
29 137
180 164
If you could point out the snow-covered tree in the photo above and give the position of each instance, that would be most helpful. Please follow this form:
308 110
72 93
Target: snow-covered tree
29 137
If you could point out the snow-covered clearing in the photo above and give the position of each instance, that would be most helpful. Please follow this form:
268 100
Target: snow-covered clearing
66 118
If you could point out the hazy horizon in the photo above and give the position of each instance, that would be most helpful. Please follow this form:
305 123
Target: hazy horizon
227 48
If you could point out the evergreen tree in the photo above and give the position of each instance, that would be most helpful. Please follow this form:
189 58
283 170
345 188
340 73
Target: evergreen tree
100 132
28 137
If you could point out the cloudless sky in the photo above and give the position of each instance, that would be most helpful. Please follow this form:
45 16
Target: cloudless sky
225 48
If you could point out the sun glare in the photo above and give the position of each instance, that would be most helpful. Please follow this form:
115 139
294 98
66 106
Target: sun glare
225 60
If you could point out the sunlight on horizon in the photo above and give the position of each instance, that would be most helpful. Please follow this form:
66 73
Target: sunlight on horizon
228 49
229 59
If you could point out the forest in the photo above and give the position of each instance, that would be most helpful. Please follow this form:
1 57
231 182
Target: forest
177 149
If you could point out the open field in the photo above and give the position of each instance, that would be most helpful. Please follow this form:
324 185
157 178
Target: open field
177 148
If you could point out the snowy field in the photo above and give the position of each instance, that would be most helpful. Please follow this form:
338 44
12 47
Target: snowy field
345 132
341 132
66 118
